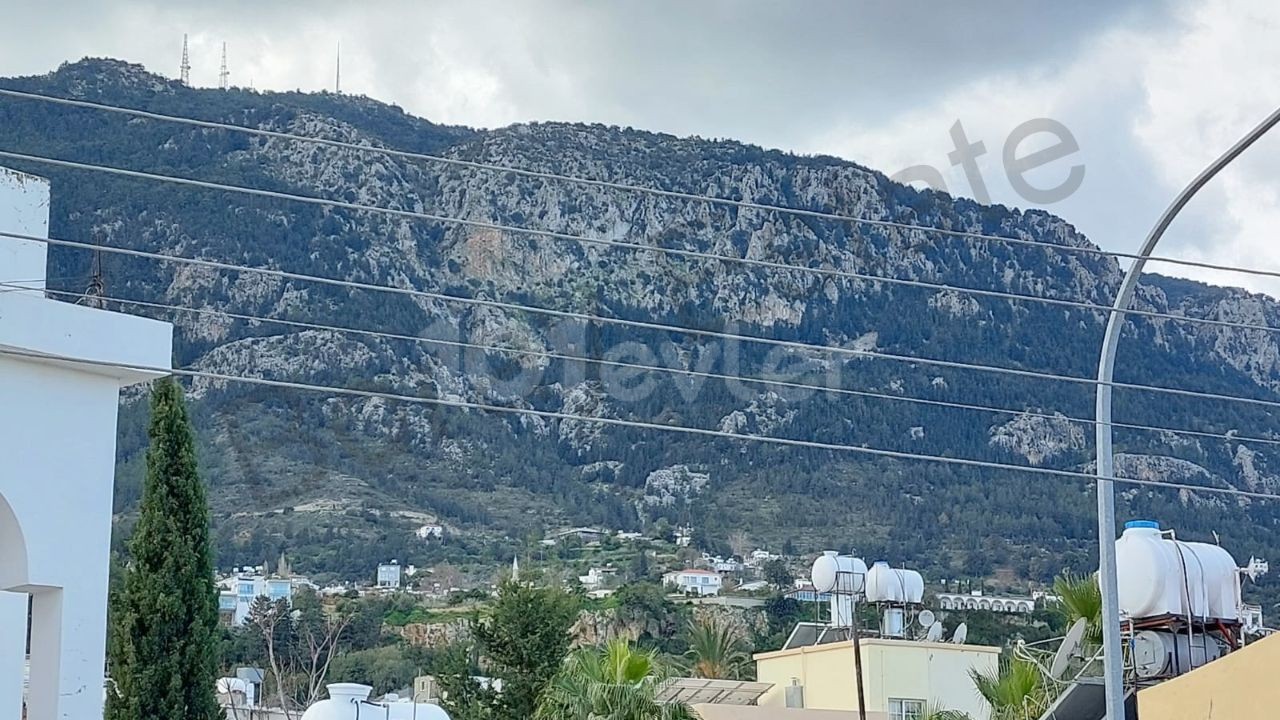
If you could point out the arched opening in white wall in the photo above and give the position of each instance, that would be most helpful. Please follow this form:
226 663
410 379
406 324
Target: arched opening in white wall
13 549
13 611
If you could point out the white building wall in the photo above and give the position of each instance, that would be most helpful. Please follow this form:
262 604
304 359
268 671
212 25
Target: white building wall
24 209
57 439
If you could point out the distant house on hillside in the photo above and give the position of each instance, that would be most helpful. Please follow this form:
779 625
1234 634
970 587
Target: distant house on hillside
692 581
585 534
430 532
237 592
978 601
389 575
598 578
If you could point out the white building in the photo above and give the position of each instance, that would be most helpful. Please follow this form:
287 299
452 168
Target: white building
758 558
237 593
978 601
597 577
389 575
722 565
430 532
690 581
61 370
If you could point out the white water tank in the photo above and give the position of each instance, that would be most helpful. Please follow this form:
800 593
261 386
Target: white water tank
350 701
1158 576
888 584
833 572
342 702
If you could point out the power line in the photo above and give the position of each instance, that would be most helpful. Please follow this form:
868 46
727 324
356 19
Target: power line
630 247
592 182
1059 417
586 317
36 284
555 415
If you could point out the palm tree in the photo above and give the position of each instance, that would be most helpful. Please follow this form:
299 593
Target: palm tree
938 714
616 682
1015 692
934 712
716 650
1081 598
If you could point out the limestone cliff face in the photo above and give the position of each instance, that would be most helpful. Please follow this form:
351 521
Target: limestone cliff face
510 474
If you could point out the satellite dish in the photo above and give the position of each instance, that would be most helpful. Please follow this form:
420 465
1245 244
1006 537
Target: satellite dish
935 633
1070 644
824 573
961 634
926 618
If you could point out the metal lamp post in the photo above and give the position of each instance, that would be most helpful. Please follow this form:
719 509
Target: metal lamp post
1113 665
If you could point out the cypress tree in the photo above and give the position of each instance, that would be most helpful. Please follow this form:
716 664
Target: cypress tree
163 655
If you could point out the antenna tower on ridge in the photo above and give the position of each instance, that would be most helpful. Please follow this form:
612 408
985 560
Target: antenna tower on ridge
337 71
224 74
186 63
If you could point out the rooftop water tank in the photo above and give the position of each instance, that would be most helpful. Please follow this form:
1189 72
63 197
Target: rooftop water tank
840 573
342 702
888 584
350 701
1157 576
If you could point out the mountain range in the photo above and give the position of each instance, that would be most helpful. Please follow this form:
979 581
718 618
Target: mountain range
339 482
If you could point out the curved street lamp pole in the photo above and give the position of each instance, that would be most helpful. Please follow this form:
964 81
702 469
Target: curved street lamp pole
1113 664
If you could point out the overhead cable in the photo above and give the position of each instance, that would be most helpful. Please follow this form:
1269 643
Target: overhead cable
679 329
608 184
630 247
556 415
770 382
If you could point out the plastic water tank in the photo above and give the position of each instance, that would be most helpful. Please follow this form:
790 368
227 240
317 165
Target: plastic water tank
1157 576
342 702
350 701
888 584
406 709
840 573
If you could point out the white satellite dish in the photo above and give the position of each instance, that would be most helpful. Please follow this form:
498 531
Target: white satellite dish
961 634
935 633
1070 644
926 618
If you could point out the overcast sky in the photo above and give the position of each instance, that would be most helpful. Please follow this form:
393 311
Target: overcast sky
1151 90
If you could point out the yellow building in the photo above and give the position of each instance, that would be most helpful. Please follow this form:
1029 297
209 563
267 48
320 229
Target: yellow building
900 677
1239 686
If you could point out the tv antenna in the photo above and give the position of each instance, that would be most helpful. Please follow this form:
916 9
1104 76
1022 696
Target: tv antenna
224 74
185 68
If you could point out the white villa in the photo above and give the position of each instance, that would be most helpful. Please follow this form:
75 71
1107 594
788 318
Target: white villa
692 581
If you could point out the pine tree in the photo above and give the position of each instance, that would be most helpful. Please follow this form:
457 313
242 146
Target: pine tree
163 659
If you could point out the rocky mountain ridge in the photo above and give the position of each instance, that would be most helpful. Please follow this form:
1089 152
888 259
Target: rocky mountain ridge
498 478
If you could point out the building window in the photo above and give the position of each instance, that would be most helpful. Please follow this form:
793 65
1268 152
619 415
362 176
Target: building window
900 709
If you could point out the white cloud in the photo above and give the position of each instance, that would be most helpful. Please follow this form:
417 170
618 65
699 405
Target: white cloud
1219 77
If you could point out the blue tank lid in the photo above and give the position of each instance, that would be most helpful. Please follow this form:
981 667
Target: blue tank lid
1148 524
